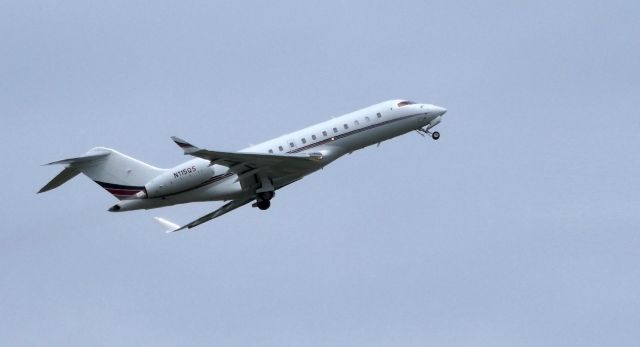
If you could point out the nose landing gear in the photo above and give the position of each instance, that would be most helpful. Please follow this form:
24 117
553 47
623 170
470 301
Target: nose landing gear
434 135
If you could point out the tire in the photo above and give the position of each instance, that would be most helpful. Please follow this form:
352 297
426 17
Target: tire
264 204
435 135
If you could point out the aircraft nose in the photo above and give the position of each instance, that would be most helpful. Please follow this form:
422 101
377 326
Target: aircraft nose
439 110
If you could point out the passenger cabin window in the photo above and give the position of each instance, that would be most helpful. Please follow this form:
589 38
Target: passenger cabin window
313 137
335 130
356 123
271 151
324 133
303 140
379 115
291 144
367 119
405 103
280 148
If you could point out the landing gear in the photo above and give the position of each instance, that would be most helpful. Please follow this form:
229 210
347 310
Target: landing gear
263 200
434 135
264 194
264 204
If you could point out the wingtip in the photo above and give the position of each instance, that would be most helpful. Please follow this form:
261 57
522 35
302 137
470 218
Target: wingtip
175 230
168 225
186 146
55 163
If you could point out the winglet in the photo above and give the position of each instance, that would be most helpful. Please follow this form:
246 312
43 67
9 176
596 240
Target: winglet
169 226
186 146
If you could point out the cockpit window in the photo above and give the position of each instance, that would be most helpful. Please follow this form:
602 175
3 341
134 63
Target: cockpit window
405 103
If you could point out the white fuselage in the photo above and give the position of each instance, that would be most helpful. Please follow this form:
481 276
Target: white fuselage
199 181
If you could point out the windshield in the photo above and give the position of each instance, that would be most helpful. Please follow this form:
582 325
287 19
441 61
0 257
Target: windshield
405 103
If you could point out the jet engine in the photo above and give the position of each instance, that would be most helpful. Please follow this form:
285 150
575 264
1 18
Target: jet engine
178 179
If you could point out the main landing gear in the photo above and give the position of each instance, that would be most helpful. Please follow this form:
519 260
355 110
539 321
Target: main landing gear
264 204
264 194
434 135
263 200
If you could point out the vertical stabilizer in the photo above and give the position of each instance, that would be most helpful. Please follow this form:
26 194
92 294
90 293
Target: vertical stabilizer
119 174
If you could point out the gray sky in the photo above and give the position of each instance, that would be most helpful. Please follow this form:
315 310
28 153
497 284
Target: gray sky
519 227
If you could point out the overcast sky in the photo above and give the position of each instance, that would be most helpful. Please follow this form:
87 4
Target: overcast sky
518 227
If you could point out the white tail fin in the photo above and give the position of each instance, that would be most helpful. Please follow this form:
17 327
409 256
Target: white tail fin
119 174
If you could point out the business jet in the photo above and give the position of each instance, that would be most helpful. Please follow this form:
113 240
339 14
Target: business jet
253 174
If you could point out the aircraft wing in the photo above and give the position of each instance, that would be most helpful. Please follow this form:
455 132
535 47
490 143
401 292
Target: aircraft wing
247 165
234 158
228 207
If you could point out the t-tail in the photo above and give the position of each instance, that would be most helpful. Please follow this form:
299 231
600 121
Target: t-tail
122 176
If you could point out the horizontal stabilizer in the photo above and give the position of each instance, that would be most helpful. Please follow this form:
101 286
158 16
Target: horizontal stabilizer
72 170
66 174
79 160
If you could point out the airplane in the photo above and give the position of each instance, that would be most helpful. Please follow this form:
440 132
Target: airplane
251 174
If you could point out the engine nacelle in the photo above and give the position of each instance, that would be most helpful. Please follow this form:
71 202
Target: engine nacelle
179 179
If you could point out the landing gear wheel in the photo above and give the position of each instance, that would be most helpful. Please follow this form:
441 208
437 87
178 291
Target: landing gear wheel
264 204
435 135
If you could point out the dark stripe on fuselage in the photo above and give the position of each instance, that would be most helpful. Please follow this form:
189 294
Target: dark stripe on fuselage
213 179
209 181
122 192
126 191
106 185
349 133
